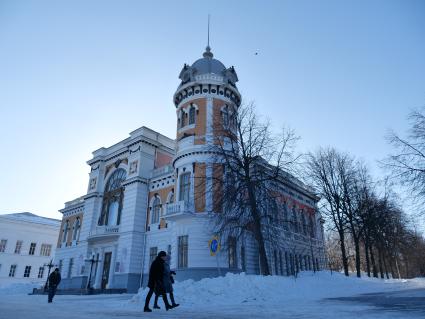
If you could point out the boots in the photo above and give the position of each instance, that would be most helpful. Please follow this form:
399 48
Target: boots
155 305
146 309
173 303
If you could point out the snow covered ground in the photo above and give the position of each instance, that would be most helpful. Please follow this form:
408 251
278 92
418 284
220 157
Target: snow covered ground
319 295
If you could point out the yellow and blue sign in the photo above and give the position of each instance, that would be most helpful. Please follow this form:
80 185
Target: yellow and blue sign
214 245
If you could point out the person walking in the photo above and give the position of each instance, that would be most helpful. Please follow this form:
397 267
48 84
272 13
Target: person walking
54 280
156 281
168 284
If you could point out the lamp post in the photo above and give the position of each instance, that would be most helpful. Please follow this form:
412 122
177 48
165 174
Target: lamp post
50 265
91 261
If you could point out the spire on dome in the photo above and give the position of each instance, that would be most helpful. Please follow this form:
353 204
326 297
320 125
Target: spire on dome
208 54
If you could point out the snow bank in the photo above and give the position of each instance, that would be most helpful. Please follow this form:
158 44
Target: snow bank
251 289
18 288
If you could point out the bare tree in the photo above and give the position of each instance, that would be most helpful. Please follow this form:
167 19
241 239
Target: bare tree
407 164
251 162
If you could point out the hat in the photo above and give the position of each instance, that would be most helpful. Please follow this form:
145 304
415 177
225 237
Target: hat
162 254
56 269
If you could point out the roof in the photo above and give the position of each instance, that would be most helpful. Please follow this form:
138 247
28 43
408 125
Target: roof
32 218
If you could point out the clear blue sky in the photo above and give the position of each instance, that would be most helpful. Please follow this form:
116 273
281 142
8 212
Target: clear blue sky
79 75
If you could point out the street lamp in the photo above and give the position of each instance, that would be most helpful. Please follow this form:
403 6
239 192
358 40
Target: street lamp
50 265
92 261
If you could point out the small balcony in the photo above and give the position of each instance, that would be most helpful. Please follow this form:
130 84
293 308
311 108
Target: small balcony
178 210
105 231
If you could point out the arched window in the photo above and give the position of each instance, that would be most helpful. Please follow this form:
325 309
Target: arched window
65 231
156 208
182 118
77 227
113 198
192 112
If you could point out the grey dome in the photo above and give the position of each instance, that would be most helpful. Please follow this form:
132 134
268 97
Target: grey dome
208 65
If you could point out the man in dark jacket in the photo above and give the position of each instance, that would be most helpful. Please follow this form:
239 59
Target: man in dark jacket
54 280
156 281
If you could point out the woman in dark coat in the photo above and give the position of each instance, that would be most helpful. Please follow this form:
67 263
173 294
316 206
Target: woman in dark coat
156 281
168 284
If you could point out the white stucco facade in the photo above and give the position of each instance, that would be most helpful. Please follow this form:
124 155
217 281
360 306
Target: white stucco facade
27 244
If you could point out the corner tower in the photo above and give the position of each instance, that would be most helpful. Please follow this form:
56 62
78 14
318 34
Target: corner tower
205 101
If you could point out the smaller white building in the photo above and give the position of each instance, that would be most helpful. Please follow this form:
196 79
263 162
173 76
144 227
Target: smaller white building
27 244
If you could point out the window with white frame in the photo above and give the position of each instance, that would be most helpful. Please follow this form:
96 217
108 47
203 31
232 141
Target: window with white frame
45 250
32 248
182 118
18 246
40 272
3 244
184 187
156 208
27 271
12 270
65 231
183 247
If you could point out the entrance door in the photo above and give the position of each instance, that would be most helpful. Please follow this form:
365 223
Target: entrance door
106 266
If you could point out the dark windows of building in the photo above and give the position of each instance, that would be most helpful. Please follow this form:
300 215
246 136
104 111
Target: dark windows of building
182 118
32 248
225 116
60 265
184 187
18 246
243 259
156 207
231 242
153 252
45 250
40 272
169 251
312 227
112 199
70 265
183 247
304 223
27 271
3 244
77 227
192 112
12 270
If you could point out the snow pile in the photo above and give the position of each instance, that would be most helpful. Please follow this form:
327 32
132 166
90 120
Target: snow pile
251 289
18 288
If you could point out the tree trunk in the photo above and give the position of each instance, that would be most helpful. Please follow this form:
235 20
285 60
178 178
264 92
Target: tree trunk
380 263
385 267
366 249
343 252
372 259
357 247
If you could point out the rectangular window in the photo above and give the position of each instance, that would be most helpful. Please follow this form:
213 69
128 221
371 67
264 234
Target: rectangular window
153 252
60 265
184 187
183 242
243 261
32 249
71 264
27 271
12 270
232 252
45 249
18 246
169 250
3 243
40 272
